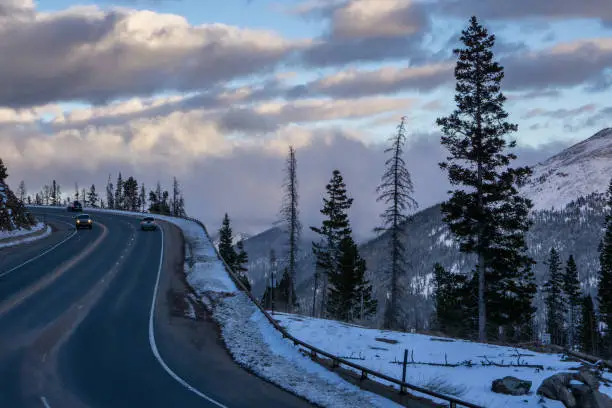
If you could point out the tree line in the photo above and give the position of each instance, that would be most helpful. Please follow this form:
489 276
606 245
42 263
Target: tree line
126 194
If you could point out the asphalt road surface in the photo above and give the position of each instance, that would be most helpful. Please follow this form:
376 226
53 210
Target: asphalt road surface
79 327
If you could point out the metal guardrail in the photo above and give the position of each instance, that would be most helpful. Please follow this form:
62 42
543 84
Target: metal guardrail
314 351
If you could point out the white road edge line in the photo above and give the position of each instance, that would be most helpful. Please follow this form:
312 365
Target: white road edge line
45 403
152 334
41 254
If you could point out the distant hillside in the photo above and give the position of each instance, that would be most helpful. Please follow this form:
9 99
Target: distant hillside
579 175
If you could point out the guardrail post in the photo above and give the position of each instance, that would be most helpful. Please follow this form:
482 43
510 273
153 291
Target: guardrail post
453 404
364 375
402 388
335 363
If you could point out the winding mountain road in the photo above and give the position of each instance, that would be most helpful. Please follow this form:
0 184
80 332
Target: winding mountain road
95 318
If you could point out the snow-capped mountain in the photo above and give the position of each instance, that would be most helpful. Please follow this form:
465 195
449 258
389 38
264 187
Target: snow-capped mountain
577 171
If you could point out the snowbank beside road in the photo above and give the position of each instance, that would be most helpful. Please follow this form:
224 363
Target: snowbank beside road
254 342
22 235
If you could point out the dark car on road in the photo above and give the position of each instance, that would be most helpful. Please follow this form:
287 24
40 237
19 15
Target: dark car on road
75 207
148 223
84 221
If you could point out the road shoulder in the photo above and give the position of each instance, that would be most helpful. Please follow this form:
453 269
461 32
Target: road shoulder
189 340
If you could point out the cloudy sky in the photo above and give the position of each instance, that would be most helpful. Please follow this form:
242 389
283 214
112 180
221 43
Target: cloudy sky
214 92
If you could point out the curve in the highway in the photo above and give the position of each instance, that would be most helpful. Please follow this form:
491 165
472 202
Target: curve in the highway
102 333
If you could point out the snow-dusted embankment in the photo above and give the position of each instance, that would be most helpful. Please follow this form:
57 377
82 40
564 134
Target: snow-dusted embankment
381 350
253 341
22 235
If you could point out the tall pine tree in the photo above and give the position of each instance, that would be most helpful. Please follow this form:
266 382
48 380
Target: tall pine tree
110 193
22 192
334 228
573 297
290 218
350 294
395 191
176 194
92 197
488 218
588 335
119 193
142 198
554 298
604 295
130 194
226 247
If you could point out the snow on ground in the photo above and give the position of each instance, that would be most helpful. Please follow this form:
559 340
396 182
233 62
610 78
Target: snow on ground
251 339
254 342
472 384
20 236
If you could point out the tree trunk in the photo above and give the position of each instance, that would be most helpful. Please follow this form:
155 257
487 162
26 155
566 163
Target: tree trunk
482 316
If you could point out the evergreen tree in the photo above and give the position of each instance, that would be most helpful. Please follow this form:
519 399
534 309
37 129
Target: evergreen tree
110 194
180 207
22 192
395 191
488 218
554 298
142 198
334 228
226 247
84 197
571 289
290 218
176 193
130 194
240 265
450 306
604 294
3 172
153 202
119 205
588 335
46 194
365 305
55 193
77 193
348 285
93 196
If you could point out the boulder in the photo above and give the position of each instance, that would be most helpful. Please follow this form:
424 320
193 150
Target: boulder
556 388
576 390
511 386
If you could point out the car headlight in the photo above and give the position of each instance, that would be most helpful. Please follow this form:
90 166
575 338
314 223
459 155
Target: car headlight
89 221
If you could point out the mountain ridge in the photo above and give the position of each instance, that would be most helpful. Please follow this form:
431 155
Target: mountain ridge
568 194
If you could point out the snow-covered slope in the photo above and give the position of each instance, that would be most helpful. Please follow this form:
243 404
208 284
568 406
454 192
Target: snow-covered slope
577 171
470 380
